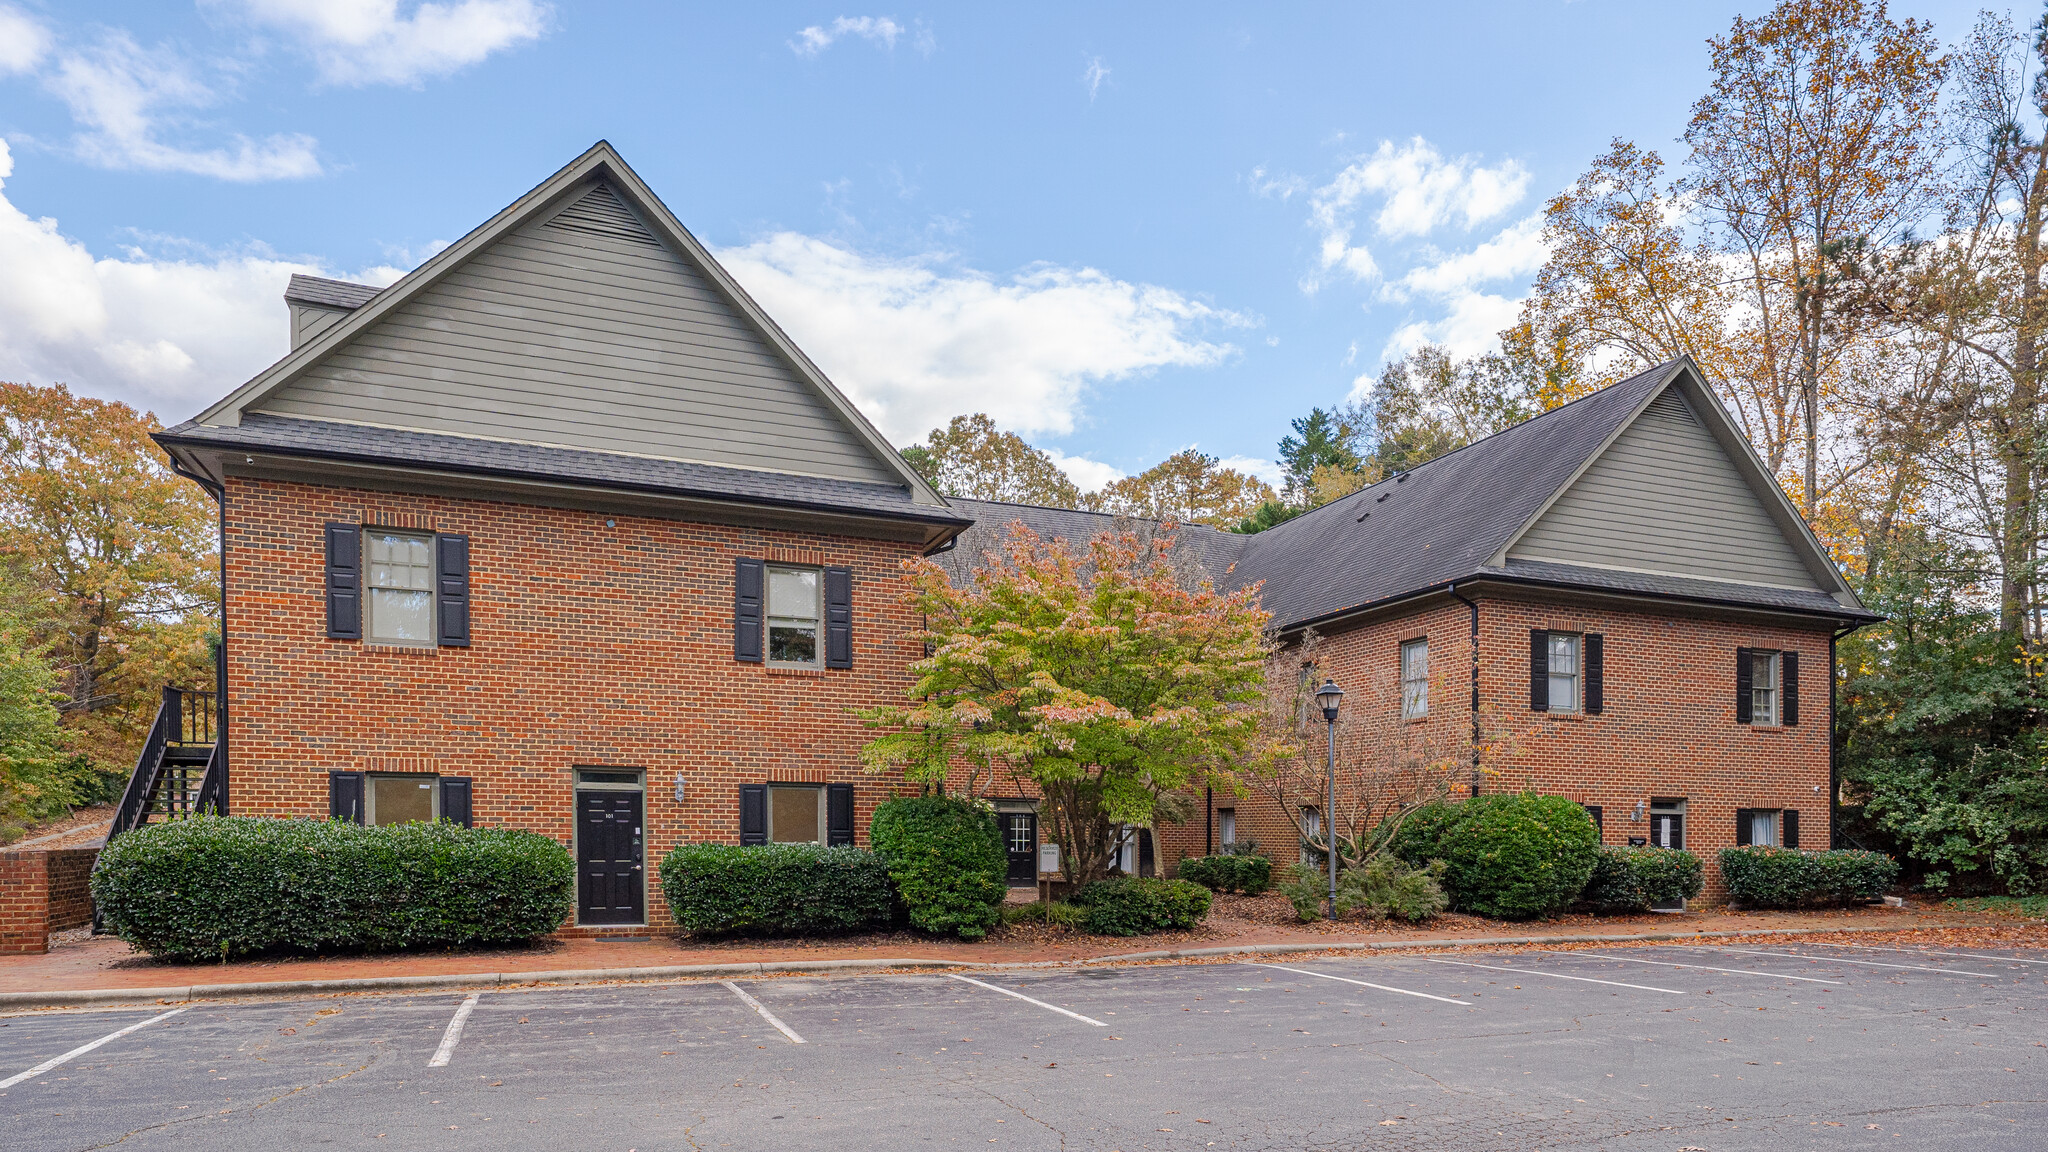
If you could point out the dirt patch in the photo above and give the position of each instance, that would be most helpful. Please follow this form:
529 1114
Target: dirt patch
76 830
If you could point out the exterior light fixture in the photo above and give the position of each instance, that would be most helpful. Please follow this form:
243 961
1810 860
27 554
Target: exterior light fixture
1327 698
1639 811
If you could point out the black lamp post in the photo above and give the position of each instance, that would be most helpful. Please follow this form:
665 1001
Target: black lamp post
1328 697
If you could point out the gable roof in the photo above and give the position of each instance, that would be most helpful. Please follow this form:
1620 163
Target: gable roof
599 197
1213 552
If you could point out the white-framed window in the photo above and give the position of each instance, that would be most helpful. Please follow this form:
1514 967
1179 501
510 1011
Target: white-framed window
796 814
1311 830
1564 672
1763 826
1226 827
401 799
794 612
400 586
1763 689
1414 679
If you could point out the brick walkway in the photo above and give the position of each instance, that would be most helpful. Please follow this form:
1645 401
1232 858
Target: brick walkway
77 961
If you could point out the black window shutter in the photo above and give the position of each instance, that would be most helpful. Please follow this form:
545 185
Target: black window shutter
753 814
1539 670
1596 672
345 796
1742 826
839 618
747 580
1788 692
838 815
344 582
451 571
1744 669
455 800
1593 810
1791 827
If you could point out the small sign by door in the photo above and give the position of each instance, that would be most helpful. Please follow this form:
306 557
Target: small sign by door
1048 859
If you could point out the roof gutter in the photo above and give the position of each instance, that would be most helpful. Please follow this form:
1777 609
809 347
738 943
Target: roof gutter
1474 605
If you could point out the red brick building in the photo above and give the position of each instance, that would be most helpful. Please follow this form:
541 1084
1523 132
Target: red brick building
561 532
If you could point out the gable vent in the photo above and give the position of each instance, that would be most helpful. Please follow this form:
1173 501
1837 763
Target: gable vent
601 213
1669 405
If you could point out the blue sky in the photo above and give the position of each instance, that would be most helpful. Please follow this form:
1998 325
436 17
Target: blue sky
1122 230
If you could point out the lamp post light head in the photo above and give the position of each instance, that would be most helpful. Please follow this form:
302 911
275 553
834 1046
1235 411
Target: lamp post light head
1328 697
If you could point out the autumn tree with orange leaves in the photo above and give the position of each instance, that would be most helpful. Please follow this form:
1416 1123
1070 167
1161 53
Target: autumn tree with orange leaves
1108 678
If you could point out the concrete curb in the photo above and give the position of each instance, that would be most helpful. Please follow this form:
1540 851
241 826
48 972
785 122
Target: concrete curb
276 988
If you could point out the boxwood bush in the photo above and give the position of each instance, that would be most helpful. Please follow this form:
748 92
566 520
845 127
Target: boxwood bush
1637 879
1250 875
776 889
216 887
1764 877
1510 856
947 858
1132 905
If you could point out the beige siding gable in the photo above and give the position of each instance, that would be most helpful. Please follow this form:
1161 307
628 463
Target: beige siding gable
583 330
1665 497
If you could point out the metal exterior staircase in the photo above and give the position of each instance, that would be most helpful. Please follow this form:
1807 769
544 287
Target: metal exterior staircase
183 766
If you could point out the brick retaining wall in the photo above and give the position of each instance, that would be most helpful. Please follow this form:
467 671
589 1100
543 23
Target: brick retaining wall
43 890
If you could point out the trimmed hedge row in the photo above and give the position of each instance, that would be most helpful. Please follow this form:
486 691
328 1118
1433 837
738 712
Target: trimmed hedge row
1637 879
216 887
947 858
1764 877
1131 905
1250 875
776 889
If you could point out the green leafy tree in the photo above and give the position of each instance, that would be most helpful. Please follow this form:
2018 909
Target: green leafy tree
972 458
1103 678
1322 440
1188 487
36 775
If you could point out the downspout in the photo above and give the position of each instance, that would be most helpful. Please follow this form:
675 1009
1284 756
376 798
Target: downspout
1209 821
1474 605
219 492
1834 740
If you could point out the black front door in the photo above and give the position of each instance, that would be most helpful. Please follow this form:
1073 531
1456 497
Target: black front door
1020 837
610 879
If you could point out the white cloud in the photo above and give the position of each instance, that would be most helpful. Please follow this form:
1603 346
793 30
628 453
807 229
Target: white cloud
1470 326
916 342
1417 191
371 42
882 30
1087 475
1094 77
1267 470
22 41
128 98
1515 251
167 335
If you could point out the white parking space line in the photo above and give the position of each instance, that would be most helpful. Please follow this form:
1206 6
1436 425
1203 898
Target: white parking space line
82 1049
1846 960
1365 984
1701 967
757 1006
454 1034
1028 1000
1552 975
1924 952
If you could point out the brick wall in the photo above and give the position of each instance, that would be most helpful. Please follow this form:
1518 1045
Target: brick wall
43 890
597 640
1667 729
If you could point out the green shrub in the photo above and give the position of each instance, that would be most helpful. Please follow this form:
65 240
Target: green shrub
1057 913
1132 905
947 859
1389 887
1509 856
214 887
1636 879
1765 877
2029 907
1230 872
776 889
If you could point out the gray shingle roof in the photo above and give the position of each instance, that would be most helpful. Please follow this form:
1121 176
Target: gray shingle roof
1676 587
331 440
1212 551
1440 521
327 293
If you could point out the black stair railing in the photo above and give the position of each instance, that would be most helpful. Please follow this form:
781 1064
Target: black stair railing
181 767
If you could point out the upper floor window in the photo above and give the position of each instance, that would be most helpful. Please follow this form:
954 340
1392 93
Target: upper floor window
400 584
1763 690
1564 672
1414 679
793 612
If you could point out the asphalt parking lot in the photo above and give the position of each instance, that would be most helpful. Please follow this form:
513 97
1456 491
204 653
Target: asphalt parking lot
1668 1048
